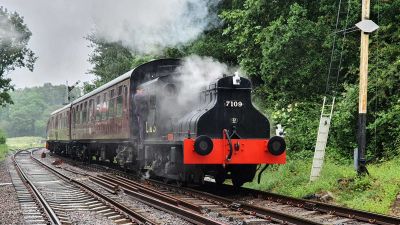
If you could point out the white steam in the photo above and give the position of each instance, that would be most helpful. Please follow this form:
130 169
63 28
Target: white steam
151 25
196 73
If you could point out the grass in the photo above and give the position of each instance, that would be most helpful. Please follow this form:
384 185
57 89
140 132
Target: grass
16 143
375 193
24 142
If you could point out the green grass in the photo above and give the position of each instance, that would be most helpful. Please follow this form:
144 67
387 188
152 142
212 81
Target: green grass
375 193
24 142
3 151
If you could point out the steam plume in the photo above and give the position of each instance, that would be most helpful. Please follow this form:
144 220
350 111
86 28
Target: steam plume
151 25
196 73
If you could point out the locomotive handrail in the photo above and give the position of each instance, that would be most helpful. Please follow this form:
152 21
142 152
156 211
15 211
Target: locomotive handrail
229 157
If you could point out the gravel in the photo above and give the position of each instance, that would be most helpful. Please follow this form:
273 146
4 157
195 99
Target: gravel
87 217
10 212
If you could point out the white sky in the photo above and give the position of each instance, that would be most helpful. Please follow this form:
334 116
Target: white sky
58 31
59 26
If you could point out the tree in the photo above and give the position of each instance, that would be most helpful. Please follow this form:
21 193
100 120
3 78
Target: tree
110 60
14 37
285 48
30 112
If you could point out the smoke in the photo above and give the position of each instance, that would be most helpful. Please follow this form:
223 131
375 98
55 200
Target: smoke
151 25
195 74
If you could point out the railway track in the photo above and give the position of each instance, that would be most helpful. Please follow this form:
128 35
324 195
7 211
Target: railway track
246 205
61 197
312 206
205 203
32 210
271 205
188 212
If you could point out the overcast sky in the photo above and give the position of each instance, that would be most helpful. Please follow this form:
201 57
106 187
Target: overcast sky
58 32
59 26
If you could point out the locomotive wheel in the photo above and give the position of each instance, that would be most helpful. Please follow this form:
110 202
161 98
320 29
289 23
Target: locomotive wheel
181 183
166 180
237 181
219 178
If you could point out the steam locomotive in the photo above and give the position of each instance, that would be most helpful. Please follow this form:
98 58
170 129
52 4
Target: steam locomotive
217 132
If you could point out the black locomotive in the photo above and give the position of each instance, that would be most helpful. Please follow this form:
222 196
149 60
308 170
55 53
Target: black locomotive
189 134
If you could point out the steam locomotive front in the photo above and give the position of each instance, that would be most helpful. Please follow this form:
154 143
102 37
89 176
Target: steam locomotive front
227 130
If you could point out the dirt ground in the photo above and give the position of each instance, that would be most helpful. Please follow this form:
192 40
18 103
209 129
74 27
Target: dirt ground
10 212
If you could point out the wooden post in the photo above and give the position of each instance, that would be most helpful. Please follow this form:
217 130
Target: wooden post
362 107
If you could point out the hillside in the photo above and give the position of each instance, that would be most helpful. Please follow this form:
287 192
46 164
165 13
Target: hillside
31 109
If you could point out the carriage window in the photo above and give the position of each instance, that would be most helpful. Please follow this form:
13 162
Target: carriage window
65 120
125 97
112 93
62 120
68 118
77 114
104 107
111 105
119 102
170 90
90 110
98 115
84 112
119 90
81 114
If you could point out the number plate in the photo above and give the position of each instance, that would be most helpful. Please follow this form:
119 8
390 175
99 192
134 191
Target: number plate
233 103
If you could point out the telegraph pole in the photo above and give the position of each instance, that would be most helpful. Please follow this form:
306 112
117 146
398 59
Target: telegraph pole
362 106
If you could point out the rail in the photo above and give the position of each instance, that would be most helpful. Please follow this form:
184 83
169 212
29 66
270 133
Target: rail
136 217
359 215
53 218
260 212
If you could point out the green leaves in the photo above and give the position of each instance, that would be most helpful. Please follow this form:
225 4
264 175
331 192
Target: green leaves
109 60
285 48
14 37
31 109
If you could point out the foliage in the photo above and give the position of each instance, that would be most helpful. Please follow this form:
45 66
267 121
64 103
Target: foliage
287 51
2 137
111 60
301 120
14 37
372 193
285 48
31 109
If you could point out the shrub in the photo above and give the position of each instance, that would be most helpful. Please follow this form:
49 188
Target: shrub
2 137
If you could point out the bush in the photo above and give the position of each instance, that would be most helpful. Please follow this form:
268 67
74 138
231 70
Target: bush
300 121
2 137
